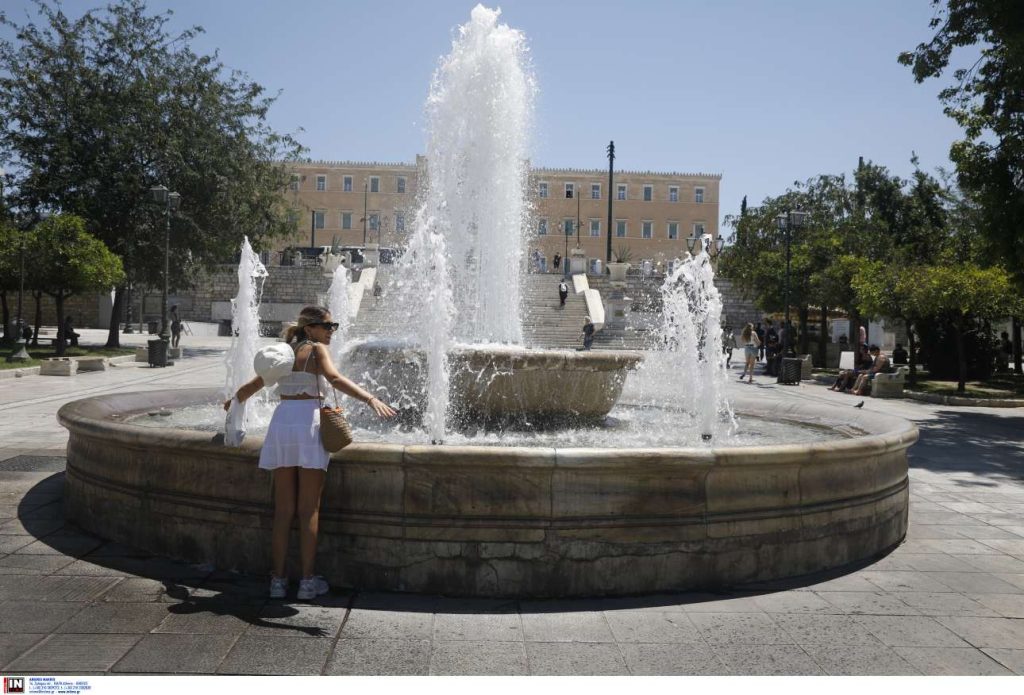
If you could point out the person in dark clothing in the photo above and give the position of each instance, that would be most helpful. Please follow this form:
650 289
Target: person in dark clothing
760 340
899 355
175 327
588 334
69 331
557 261
563 293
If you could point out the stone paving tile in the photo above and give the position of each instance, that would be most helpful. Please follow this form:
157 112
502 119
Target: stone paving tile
974 532
141 590
575 659
940 562
33 564
9 544
284 656
825 629
388 625
794 602
464 658
87 588
974 582
298 620
859 661
89 568
14 645
933 604
380 657
739 628
176 654
645 659
905 581
478 627
850 582
1005 605
1016 580
231 620
867 603
716 603
767 660
54 510
910 631
946 661
566 627
28 587
643 626
75 653
36 529
1012 659
1013 547
116 618
36 616
995 563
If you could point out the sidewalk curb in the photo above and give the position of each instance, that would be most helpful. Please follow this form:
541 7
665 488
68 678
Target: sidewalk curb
28 371
945 400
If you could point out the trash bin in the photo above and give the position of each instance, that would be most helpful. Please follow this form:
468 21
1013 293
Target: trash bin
224 329
157 353
154 326
790 372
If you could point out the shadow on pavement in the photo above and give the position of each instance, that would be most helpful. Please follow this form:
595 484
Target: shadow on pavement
983 444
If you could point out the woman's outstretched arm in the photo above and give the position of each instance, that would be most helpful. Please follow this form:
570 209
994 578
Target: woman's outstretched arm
246 391
347 386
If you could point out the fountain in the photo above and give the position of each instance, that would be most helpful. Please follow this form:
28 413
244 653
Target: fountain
556 476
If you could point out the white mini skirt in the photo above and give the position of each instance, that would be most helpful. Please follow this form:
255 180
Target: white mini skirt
293 438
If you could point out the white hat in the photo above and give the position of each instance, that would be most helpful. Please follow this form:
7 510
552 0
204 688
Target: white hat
274 362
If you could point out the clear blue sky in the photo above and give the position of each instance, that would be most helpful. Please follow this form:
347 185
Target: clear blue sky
764 92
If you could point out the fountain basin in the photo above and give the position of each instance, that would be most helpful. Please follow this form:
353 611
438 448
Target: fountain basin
502 384
491 521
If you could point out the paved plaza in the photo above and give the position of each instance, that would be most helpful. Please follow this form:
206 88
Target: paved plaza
949 600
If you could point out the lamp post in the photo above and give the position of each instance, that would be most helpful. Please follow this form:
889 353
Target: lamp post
693 244
170 200
792 219
611 181
366 191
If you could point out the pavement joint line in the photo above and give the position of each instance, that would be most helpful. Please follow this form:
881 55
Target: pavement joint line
337 636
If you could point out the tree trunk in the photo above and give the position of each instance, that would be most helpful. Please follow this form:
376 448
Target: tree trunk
58 302
114 334
823 340
912 361
1017 368
805 335
38 296
855 333
961 356
7 319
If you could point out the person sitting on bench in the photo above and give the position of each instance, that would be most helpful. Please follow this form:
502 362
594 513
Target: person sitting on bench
69 331
880 364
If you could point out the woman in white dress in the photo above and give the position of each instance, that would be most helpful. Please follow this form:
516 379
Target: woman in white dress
292 447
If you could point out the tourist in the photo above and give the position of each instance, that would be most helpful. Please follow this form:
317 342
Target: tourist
563 293
846 376
751 344
880 364
728 345
69 331
175 327
1005 352
292 447
557 261
900 355
862 337
760 340
588 334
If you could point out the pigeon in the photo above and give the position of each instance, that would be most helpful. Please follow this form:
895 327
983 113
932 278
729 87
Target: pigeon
859 405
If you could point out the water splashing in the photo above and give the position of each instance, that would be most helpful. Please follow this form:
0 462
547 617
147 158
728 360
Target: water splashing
338 305
245 320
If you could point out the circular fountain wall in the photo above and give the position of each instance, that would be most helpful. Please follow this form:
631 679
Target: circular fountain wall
493 521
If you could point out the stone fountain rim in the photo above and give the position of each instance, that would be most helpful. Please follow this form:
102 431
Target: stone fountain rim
104 416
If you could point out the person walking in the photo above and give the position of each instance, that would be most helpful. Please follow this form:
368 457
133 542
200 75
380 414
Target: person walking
728 345
557 261
759 331
588 334
563 293
175 327
292 449
751 344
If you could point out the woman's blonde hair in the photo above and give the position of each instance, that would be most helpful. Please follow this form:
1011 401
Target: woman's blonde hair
297 331
747 330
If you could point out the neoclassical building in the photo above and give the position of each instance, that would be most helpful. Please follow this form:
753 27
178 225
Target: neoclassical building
653 213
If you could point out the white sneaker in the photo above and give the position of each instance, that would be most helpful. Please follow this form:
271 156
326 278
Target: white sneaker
311 588
278 587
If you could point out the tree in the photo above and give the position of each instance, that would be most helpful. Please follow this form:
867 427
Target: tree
10 246
96 110
67 260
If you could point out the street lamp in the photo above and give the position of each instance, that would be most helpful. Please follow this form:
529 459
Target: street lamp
792 219
696 244
170 200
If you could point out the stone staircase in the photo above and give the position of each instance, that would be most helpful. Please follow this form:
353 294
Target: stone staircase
545 323
737 310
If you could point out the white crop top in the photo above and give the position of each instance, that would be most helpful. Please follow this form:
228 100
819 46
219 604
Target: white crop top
302 383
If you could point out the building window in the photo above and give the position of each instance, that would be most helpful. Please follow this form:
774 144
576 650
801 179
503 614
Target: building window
374 221
673 194
673 230
400 222
647 229
622 191
295 182
620 228
542 226
698 195
400 184
595 227
698 229
346 220
374 184
318 219
321 183
542 189
570 190
648 192
346 184
595 191
293 217
567 225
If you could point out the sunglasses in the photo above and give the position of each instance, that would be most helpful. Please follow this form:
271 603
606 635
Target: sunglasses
329 325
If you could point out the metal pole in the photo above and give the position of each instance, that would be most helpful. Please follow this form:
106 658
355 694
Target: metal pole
312 229
787 341
565 258
21 287
165 334
366 189
611 179
578 193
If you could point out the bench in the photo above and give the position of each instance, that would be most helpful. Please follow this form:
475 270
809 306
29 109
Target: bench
91 364
889 384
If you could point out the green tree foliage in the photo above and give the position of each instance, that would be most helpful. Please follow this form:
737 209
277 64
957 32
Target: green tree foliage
10 246
67 260
987 101
96 110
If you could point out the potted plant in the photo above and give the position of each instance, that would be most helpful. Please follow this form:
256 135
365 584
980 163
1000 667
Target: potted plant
620 264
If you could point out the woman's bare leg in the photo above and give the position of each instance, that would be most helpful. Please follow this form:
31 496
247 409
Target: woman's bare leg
311 487
285 483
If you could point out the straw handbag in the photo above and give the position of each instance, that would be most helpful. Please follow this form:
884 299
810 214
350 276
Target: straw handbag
335 432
